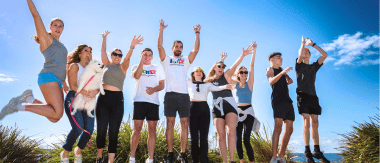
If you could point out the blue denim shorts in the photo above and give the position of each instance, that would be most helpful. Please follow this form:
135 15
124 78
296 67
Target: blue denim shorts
48 77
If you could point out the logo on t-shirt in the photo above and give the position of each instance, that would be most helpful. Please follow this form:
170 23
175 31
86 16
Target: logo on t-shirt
149 72
177 61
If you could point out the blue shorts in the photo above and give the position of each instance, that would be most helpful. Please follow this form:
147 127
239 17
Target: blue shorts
48 77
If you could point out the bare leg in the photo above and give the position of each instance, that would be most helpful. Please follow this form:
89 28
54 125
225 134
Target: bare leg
100 152
306 128
314 128
220 125
170 121
231 122
53 109
111 157
285 137
276 135
137 126
184 133
151 138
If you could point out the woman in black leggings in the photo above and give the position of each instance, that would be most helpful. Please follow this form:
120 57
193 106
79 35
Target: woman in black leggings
110 107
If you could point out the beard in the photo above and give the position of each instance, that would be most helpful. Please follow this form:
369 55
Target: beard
177 53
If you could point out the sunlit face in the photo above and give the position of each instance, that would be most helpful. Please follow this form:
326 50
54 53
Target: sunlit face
219 70
86 54
147 57
306 55
56 28
116 59
177 49
277 60
242 74
198 73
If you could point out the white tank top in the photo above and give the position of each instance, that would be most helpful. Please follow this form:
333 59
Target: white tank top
80 72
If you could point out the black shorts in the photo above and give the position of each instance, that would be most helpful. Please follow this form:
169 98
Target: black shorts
284 110
308 104
142 110
174 102
227 108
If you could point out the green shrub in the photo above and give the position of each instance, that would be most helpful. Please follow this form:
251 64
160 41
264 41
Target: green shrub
362 143
17 148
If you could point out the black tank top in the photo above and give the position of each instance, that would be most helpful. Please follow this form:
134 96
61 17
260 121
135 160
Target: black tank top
223 93
280 89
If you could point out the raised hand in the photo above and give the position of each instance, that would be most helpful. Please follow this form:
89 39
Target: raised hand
223 56
254 45
284 71
309 42
136 41
248 50
162 25
303 41
197 28
105 33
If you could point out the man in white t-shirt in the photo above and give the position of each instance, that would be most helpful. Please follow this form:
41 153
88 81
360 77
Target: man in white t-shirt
177 96
150 79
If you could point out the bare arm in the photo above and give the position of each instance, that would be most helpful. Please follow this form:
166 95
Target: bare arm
44 38
320 50
137 72
273 79
251 67
300 52
161 50
159 87
103 53
194 52
125 63
73 78
228 74
288 79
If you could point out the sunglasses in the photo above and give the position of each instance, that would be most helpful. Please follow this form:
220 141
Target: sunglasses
219 66
243 72
119 55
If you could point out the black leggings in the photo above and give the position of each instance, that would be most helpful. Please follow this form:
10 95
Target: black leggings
199 124
247 124
109 111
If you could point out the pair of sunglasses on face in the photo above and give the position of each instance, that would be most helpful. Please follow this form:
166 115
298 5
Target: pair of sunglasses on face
220 66
243 72
117 55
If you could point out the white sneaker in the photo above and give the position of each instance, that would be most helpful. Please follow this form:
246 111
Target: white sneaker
78 158
132 160
282 160
11 107
149 160
64 160
274 160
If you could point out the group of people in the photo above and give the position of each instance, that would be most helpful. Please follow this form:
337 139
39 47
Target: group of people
187 96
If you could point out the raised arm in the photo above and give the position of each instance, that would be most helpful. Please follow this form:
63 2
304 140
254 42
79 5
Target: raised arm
194 52
273 79
300 52
320 50
251 67
161 50
103 53
44 38
138 71
223 56
125 63
228 74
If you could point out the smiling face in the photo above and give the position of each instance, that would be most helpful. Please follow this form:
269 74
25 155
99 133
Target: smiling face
116 59
56 28
219 70
242 74
147 57
86 54
177 49
306 55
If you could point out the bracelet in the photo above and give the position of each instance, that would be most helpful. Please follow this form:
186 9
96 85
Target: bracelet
198 32
314 44
132 47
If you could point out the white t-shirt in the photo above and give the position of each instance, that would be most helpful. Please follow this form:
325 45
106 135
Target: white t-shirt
204 89
151 75
176 74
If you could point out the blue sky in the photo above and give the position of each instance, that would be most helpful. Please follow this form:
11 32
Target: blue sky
347 84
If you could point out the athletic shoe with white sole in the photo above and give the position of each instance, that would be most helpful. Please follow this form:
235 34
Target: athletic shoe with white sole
64 160
148 160
11 107
78 158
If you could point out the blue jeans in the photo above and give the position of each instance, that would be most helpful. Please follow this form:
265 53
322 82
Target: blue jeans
83 120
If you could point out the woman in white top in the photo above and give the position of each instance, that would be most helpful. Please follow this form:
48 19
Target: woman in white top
200 113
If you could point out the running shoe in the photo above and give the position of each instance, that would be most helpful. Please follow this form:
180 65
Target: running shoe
148 161
78 158
64 160
131 160
170 159
182 158
273 160
11 107
309 157
99 160
281 160
320 157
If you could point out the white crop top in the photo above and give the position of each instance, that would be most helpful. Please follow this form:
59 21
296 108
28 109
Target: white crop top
204 89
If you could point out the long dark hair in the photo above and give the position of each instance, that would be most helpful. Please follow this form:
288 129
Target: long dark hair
74 55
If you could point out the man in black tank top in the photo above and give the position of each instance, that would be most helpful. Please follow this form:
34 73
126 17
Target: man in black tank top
283 110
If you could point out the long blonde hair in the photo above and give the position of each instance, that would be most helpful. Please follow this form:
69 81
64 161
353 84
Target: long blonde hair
211 75
51 22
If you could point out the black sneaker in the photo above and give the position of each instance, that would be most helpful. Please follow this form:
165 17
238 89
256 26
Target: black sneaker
309 157
99 160
182 158
320 157
170 159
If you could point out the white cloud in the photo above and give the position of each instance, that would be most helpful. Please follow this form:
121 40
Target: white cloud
3 32
353 49
328 59
6 78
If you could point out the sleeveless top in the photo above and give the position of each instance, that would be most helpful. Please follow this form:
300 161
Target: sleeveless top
80 72
280 89
223 93
113 75
55 60
243 95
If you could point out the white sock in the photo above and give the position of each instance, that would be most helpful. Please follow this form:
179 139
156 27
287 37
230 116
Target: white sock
150 160
21 107
132 159
30 99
